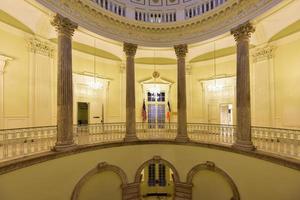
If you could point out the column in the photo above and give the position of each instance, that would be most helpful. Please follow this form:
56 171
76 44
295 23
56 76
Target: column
242 35
65 29
181 51
130 51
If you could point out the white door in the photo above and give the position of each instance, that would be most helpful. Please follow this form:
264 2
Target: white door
226 114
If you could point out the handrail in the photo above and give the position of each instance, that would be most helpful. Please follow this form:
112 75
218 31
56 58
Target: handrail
273 128
32 127
20 142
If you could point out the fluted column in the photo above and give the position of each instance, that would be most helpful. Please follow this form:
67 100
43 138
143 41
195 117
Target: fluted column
65 29
130 51
242 35
181 51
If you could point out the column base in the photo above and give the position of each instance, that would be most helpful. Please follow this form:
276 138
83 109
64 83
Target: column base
64 147
131 138
245 146
183 139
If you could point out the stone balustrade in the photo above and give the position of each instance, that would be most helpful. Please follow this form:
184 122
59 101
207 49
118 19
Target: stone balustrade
159 14
16 143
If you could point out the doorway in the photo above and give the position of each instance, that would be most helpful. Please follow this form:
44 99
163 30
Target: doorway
82 113
156 115
156 109
226 114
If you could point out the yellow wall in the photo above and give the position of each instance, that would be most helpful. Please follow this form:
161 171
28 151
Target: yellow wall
287 73
210 185
105 186
30 85
55 179
15 79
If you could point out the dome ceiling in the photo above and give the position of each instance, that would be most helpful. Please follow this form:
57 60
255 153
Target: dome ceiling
155 3
111 21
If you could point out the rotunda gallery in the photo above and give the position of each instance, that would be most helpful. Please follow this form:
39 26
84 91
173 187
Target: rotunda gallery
149 100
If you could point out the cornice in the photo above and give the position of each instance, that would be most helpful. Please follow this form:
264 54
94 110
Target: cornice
96 19
27 161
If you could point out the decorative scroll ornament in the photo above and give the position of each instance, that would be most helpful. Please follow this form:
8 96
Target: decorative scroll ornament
243 31
130 49
263 53
181 50
63 25
40 47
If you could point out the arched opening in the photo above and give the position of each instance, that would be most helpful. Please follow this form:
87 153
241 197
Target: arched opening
207 178
102 182
157 179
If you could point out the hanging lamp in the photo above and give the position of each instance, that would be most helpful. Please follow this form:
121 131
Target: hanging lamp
94 83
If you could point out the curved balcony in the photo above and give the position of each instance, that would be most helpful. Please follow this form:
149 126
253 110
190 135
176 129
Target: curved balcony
196 21
162 14
17 143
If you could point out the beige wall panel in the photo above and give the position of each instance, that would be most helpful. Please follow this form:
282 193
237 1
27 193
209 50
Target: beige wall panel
105 186
261 94
211 186
15 80
287 81
43 96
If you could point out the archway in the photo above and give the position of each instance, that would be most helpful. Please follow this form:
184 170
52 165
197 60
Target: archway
100 168
156 178
222 175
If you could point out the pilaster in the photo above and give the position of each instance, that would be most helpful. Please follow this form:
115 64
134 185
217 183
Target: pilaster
265 55
39 50
3 64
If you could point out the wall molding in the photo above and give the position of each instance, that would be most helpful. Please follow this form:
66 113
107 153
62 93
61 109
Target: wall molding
38 46
16 164
96 19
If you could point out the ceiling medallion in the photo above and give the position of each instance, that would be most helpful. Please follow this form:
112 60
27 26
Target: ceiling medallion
155 74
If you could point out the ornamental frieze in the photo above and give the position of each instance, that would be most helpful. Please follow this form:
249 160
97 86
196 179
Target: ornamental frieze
40 47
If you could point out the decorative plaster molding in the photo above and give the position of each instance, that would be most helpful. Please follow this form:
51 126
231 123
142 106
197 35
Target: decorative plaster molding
181 50
263 53
63 25
129 49
40 47
94 18
243 32
3 61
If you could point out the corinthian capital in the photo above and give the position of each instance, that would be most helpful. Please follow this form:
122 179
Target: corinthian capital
181 50
243 31
63 25
129 49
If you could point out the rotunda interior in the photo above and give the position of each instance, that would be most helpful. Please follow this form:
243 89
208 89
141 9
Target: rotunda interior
149 99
